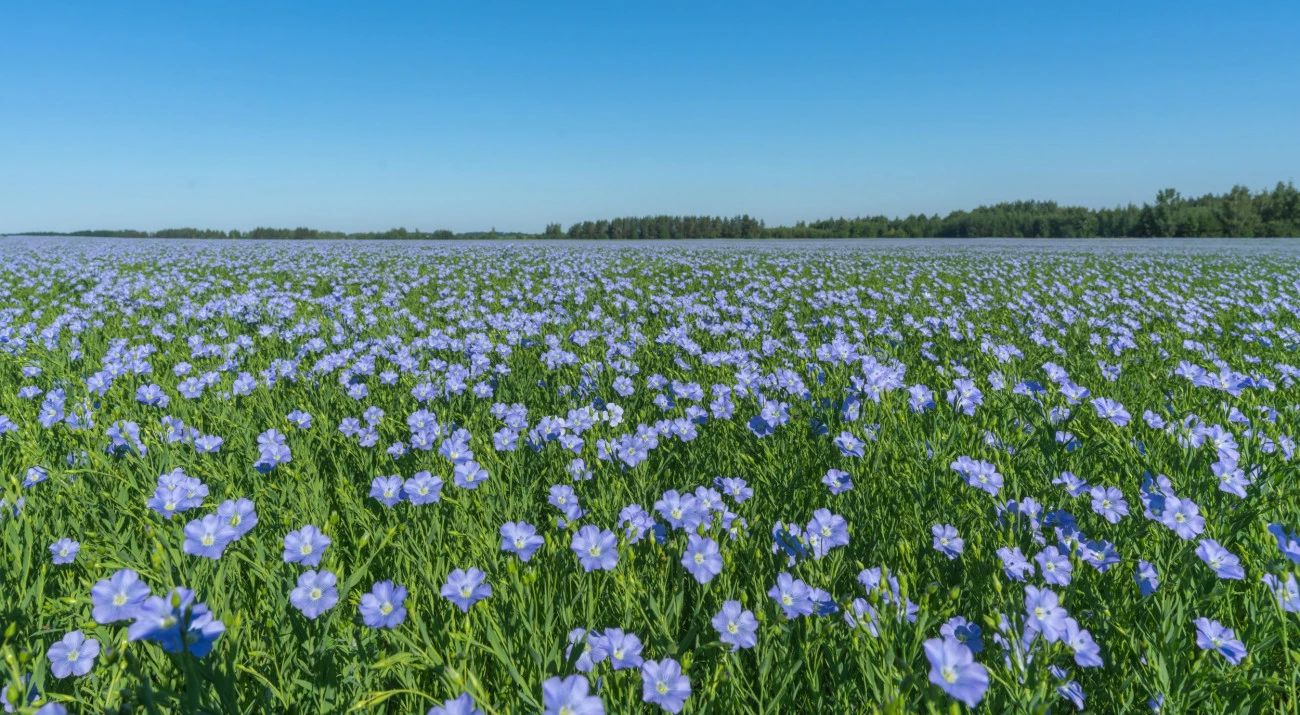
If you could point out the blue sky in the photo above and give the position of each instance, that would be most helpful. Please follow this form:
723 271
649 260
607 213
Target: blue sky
366 116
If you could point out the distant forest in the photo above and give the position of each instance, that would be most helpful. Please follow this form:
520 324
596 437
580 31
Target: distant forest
1236 214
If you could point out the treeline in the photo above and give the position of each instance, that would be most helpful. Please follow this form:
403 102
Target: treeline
1238 213
666 227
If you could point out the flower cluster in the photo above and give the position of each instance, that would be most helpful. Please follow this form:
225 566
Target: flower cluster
521 479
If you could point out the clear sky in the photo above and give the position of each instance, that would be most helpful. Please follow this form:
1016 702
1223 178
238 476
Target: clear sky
370 115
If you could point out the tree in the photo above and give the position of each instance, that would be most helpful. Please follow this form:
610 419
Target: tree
1238 214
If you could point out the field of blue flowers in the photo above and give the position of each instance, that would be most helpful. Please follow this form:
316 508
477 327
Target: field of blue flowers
339 477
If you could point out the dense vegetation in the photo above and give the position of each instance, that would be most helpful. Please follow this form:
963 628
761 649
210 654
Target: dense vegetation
1236 214
559 479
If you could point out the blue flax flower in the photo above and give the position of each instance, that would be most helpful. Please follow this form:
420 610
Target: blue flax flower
837 481
1073 692
465 588
469 475
1055 566
118 597
64 551
239 514
624 648
953 668
423 488
176 623
569 696
299 419
1147 578
1109 503
1287 543
1044 614
1183 516
596 548
388 490
1212 635
1014 563
664 684
681 511
463 704
166 501
384 606
1286 592
208 537
1086 651
1224 562
702 558
305 546
520 538
964 632
315 593
946 540
734 487
826 531
1111 411
74 655
593 649
793 595
736 626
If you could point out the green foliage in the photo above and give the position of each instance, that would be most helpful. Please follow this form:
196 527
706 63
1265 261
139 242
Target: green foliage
659 227
271 659
1236 214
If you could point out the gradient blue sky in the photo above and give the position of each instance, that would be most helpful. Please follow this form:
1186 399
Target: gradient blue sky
370 115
